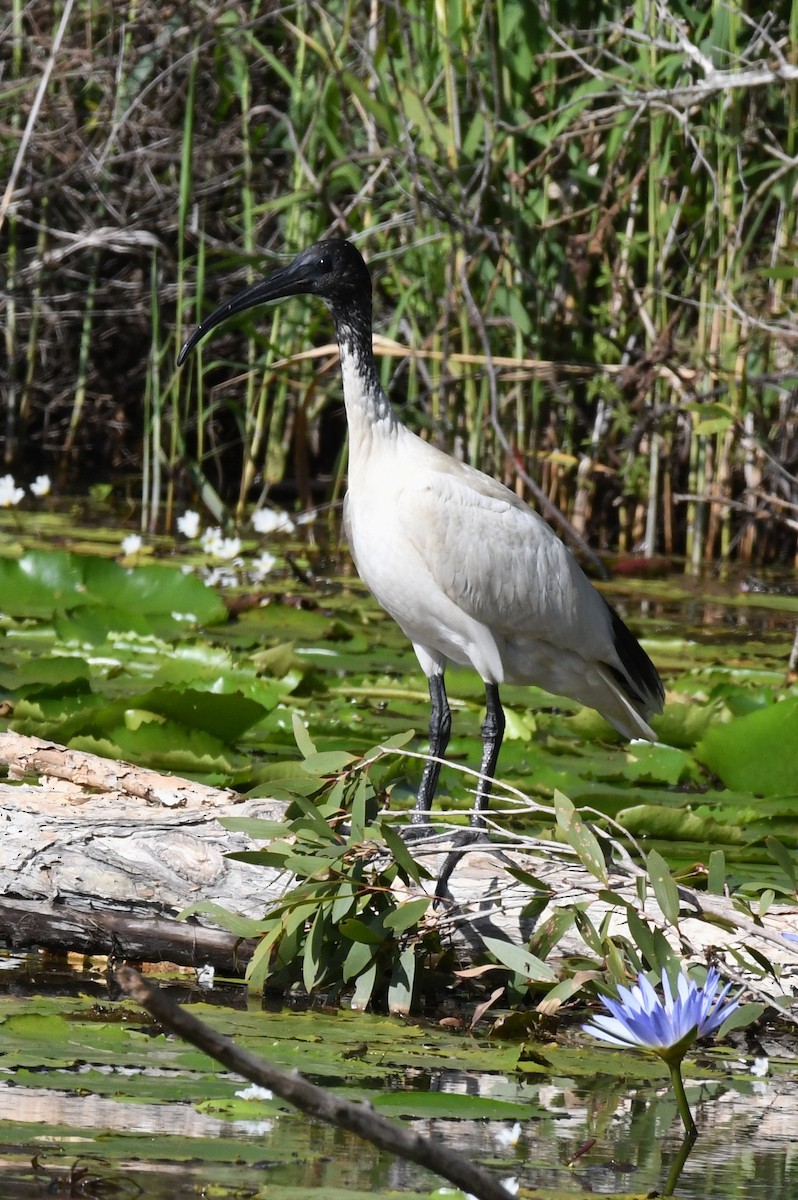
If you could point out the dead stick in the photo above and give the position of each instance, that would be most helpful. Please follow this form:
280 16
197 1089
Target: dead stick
89 770
357 1118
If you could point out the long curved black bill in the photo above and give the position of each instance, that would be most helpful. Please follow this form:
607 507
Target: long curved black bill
288 281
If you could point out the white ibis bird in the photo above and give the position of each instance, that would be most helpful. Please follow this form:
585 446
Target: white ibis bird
470 572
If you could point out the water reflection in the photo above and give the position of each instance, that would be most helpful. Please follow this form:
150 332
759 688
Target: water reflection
747 1147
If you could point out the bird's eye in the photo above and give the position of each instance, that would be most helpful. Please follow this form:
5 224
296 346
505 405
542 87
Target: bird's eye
323 263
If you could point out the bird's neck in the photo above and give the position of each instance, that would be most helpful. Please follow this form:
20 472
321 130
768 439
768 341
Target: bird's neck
368 409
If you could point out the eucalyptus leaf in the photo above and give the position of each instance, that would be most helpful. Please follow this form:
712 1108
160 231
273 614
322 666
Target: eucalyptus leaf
257 828
343 903
580 838
407 915
358 809
328 762
359 958
642 935
664 886
520 961
402 856
364 986
241 926
359 931
550 933
400 989
305 744
716 876
785 859
741 1018
312 966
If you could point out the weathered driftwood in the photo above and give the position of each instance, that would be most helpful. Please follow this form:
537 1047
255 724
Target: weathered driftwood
100 857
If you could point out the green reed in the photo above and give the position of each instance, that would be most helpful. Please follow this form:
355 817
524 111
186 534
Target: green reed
532 189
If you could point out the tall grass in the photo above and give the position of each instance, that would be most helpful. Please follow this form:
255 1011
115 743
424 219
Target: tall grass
580 219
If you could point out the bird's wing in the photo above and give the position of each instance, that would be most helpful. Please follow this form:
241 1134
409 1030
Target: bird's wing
498 560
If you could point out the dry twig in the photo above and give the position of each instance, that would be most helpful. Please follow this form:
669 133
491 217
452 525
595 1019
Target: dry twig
317 1102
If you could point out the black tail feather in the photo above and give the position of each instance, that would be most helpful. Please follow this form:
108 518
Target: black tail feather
639 679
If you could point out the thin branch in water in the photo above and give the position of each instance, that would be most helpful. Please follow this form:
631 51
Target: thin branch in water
360 1119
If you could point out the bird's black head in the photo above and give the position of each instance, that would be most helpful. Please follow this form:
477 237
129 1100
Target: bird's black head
333 270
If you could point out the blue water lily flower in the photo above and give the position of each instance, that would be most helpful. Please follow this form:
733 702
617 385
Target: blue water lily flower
666 1027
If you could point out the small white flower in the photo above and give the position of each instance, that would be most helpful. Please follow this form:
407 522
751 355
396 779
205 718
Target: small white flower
255 1092
188 524
508 1137
205 976
41 485
307 518
131 544
10 494
261 566
268 520
211 538
227 548
217 546
761 1066
220 577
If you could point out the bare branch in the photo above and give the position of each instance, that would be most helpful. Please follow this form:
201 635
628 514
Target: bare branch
360 1119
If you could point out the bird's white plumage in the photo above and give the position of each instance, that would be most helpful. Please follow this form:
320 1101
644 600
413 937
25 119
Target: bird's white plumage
470 572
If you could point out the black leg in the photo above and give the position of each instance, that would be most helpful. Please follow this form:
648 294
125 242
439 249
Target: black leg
440 727
492 734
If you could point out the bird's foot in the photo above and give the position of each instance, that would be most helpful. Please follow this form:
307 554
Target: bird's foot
425 835
432 837
418 831
462 842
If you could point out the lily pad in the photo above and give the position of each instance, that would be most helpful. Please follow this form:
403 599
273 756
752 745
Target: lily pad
757 752
43 583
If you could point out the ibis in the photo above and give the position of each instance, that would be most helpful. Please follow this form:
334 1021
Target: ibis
467 569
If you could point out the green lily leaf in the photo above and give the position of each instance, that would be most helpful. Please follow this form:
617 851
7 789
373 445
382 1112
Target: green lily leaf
751 753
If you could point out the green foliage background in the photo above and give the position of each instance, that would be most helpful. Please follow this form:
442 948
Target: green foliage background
580 217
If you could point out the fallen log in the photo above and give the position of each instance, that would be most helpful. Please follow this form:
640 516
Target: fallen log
120 936
99 857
